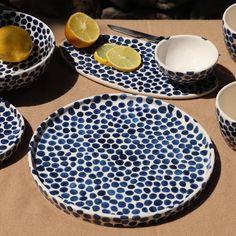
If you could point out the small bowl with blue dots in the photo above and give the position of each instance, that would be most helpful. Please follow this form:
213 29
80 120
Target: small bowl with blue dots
14 75
186 59
229 29
11 129
226 113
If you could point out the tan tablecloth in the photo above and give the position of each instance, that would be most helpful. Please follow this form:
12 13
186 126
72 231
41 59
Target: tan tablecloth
24 210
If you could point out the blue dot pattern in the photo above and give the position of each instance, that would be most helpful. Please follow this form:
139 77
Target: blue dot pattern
230 41
147 80
17 75
11 129
120 160
228 129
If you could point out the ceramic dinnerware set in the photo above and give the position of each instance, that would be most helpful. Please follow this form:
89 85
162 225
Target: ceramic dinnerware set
121 159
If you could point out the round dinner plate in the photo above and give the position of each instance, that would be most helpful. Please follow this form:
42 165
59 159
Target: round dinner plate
120 160
147 80
11 129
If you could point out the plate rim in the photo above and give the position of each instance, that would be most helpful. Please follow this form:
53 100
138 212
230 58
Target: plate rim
22 128
42 187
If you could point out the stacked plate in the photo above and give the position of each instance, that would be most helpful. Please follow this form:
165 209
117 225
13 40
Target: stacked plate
11 129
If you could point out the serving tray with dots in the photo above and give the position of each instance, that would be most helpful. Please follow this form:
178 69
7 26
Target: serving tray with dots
147 80
11 129
120 160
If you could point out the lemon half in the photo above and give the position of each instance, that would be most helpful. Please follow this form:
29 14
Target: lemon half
15 44
81 30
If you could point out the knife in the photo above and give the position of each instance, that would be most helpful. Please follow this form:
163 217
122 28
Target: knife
136 34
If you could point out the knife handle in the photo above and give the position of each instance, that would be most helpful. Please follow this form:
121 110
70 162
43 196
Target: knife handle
158 39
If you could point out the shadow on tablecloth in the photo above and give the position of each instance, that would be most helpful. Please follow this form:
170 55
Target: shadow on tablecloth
52 84
224 76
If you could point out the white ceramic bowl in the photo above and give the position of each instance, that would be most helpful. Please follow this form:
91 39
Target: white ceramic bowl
229 29
186 58
226 113
17 75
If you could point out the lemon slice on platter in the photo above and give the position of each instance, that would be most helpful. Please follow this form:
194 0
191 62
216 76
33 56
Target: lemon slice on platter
100 53
123 58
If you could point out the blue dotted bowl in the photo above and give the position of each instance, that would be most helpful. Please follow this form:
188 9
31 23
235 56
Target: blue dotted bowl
17 75
120 160
11 129
186 59
229 30
225 111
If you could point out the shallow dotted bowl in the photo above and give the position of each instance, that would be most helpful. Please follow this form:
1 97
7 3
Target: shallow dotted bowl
17 75
186 58
120 160
11 129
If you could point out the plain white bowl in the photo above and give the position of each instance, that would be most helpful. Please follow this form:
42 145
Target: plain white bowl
186 58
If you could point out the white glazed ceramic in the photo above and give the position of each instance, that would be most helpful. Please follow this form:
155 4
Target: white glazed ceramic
226 113
16 75
147 80
229 29
186 58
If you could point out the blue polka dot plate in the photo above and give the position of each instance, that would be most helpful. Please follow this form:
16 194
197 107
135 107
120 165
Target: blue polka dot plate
11 129
120 160
148 80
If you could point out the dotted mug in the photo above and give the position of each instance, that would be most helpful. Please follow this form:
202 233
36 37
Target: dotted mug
229 30
226 113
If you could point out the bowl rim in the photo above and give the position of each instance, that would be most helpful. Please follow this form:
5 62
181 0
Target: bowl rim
217 103
45 58
186 36
225 23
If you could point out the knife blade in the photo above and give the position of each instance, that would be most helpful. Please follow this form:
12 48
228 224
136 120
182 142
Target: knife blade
136 34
